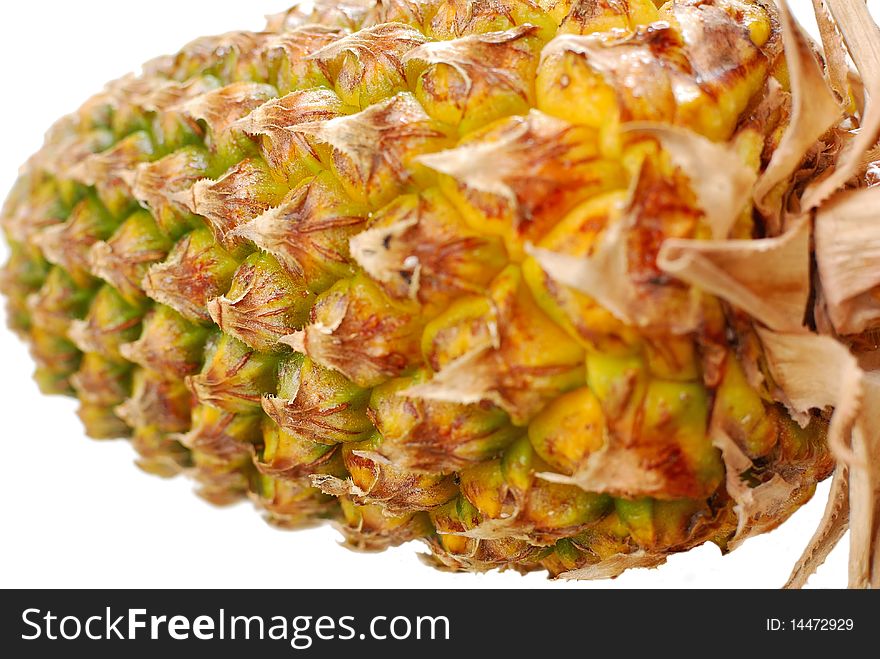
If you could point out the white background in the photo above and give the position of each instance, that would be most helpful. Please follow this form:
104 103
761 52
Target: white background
78 513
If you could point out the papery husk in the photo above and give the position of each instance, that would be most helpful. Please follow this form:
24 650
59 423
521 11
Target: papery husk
722 190
862 38
836 67
816 372
847 239
813 371
814 111
834 524
864 491
768 278
614 566
759 508
604 275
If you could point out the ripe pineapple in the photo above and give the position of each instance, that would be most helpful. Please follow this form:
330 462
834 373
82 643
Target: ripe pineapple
527 280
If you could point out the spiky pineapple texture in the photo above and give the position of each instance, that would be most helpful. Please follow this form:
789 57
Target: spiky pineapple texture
527 280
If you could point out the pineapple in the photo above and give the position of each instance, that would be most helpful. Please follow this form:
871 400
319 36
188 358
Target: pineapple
527 280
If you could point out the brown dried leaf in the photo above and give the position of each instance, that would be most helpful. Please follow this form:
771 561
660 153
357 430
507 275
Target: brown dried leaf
758 509
345 13
514 356
244 192
862 38
499 529
377 142
409 12
170 95
158 183
115 166
230 55
452 19
193 273
605 274
367 249
122 265
420 248
836 66
814 372
864 491
834 524
467 380
61 157
768 278
355 332
722 189
286 54
67 243
848 256
523 160
814 111
357 135
619 470
376 480
274 118
261 308
614 566
337 487
157 402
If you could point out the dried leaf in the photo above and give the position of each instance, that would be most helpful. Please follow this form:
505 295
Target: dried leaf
467 380
524 173
848 256
862 38
499 529
353 332
864 491
614 566
377 142
365 65
337 487
367 249
509 156
767 278
619 470
241 194
834 524
758 509
836 66
605 274
814 372
722 190
273 119
814 111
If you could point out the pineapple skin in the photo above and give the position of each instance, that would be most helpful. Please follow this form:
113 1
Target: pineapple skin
296 266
